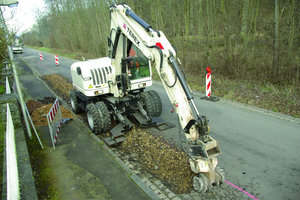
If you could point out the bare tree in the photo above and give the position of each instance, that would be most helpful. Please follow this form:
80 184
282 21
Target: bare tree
276 38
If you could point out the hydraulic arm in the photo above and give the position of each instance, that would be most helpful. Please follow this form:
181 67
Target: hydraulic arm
127 27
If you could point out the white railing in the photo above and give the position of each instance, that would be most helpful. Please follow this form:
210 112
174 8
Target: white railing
7 87
12 178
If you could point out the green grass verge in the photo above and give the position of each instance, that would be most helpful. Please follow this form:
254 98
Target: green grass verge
42 170
59 52
278 98
2 89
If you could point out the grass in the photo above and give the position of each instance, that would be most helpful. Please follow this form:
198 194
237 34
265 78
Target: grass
278 98
59 52
43 172
2 89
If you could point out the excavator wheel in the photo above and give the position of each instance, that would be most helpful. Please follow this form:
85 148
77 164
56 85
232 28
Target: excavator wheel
105 119
148 103
93 117
74 102
157 102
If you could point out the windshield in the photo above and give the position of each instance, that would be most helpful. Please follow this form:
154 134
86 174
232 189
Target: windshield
138 64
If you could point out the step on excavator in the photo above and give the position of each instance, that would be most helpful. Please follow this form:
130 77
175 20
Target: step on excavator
113 89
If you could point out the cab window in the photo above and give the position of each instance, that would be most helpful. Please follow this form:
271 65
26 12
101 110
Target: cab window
138 64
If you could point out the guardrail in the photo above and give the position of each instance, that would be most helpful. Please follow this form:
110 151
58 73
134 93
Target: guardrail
12 178
7 86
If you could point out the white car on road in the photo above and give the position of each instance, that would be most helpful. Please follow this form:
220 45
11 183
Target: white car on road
17 48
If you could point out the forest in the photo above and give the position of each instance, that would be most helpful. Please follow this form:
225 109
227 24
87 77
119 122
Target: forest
256 41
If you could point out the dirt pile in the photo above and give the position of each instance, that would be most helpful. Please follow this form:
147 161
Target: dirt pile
32 105
59 84
167 163
47 100
39 116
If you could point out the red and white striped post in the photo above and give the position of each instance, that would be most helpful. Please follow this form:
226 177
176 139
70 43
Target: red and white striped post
208 82
54 118
56 60
41 56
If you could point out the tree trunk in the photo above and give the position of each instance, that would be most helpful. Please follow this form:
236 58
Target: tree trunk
292 24
187 17
276 38
244 30
255 18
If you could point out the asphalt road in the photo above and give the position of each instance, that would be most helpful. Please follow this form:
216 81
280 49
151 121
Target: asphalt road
260 148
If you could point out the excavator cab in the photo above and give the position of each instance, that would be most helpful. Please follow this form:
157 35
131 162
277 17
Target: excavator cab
138 64
132 66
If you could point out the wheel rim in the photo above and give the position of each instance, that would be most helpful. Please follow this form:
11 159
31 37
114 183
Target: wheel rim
90 121
72 104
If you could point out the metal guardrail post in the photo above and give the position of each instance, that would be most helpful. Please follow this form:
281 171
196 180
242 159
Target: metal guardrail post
15 74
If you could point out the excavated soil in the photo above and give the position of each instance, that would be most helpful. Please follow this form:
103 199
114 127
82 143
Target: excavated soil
39 115
167 163
47 100
59 84
32 105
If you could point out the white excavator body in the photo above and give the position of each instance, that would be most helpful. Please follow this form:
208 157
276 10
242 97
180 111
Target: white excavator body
98 77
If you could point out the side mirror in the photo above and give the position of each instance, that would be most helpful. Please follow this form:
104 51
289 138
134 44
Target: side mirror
78 70
109 42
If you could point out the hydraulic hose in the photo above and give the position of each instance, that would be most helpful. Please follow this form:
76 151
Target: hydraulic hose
161 64
182 80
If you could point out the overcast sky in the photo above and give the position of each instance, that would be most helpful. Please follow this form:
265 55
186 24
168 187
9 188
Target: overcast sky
22 17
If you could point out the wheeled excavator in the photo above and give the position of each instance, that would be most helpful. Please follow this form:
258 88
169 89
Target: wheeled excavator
113 88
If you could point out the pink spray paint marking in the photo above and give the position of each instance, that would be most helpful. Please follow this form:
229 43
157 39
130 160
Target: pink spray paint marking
240 189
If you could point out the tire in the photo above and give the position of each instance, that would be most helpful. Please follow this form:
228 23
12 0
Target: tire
105 119
148 103
157 102
93 117
74 102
